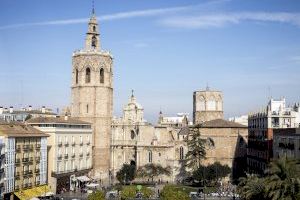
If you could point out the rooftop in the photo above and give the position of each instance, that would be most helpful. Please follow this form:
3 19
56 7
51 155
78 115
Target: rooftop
56 120
17 129
219 123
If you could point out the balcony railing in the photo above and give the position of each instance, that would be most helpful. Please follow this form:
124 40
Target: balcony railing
37 159
81 143
88 143
60 143
66 156
59 157
81 155
37 171
38 146
25 159
17 187
88 154
73 155
73 143
66 143
37 183
18 148
17 161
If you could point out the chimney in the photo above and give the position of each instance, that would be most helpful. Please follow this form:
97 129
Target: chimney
1 110
29 108
43 109
11 109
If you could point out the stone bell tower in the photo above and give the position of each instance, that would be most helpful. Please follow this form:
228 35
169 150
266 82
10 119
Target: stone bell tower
92 95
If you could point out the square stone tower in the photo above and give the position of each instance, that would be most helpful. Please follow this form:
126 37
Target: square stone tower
207 105
92 96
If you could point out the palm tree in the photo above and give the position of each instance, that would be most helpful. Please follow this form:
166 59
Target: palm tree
283 180
196 148
252 188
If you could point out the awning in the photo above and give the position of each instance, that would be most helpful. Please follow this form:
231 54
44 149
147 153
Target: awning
83 178
32 192
92 185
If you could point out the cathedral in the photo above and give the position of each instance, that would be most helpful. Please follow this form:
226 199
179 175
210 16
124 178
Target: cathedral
131 139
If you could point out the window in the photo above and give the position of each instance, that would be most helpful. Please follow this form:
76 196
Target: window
181 153
87 75
101 75
87 108
132 135
94 41
150 156
94 28
76 76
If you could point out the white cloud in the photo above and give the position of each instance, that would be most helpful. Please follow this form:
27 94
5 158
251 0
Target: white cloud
115 16
220 20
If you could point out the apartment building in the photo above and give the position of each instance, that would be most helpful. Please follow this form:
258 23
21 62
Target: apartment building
25 159
286 143
261 125
70 155
23 114
2 165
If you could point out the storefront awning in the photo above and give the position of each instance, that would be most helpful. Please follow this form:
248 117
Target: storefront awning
83 178
31 193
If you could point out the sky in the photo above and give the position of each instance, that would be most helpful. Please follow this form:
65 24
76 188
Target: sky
163 50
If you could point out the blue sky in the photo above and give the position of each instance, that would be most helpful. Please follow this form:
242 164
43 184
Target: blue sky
164 50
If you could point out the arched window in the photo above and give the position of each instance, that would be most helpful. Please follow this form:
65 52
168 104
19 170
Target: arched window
101 75
94 41
94 28
132 135
76 76
87 75
150 156
181 153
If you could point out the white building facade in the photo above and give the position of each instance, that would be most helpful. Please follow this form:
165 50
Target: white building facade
70 150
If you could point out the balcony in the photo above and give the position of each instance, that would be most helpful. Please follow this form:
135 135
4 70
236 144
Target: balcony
27 185
25 160
18 148
88 154
59 143
81 143
17 187
38 146
37 171
66 156
27 147
59 157
73 143
27 172
37 183
88 143
81 155
73 155
1 170
66 143
17 161
37 159
17 175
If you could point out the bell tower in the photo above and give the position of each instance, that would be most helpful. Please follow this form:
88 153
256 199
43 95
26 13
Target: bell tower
92 96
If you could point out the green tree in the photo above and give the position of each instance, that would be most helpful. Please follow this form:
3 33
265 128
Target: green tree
98 195
196 148
153 170
126 173
282 181
211 172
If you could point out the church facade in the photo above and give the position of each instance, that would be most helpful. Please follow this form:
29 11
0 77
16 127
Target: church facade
131 139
